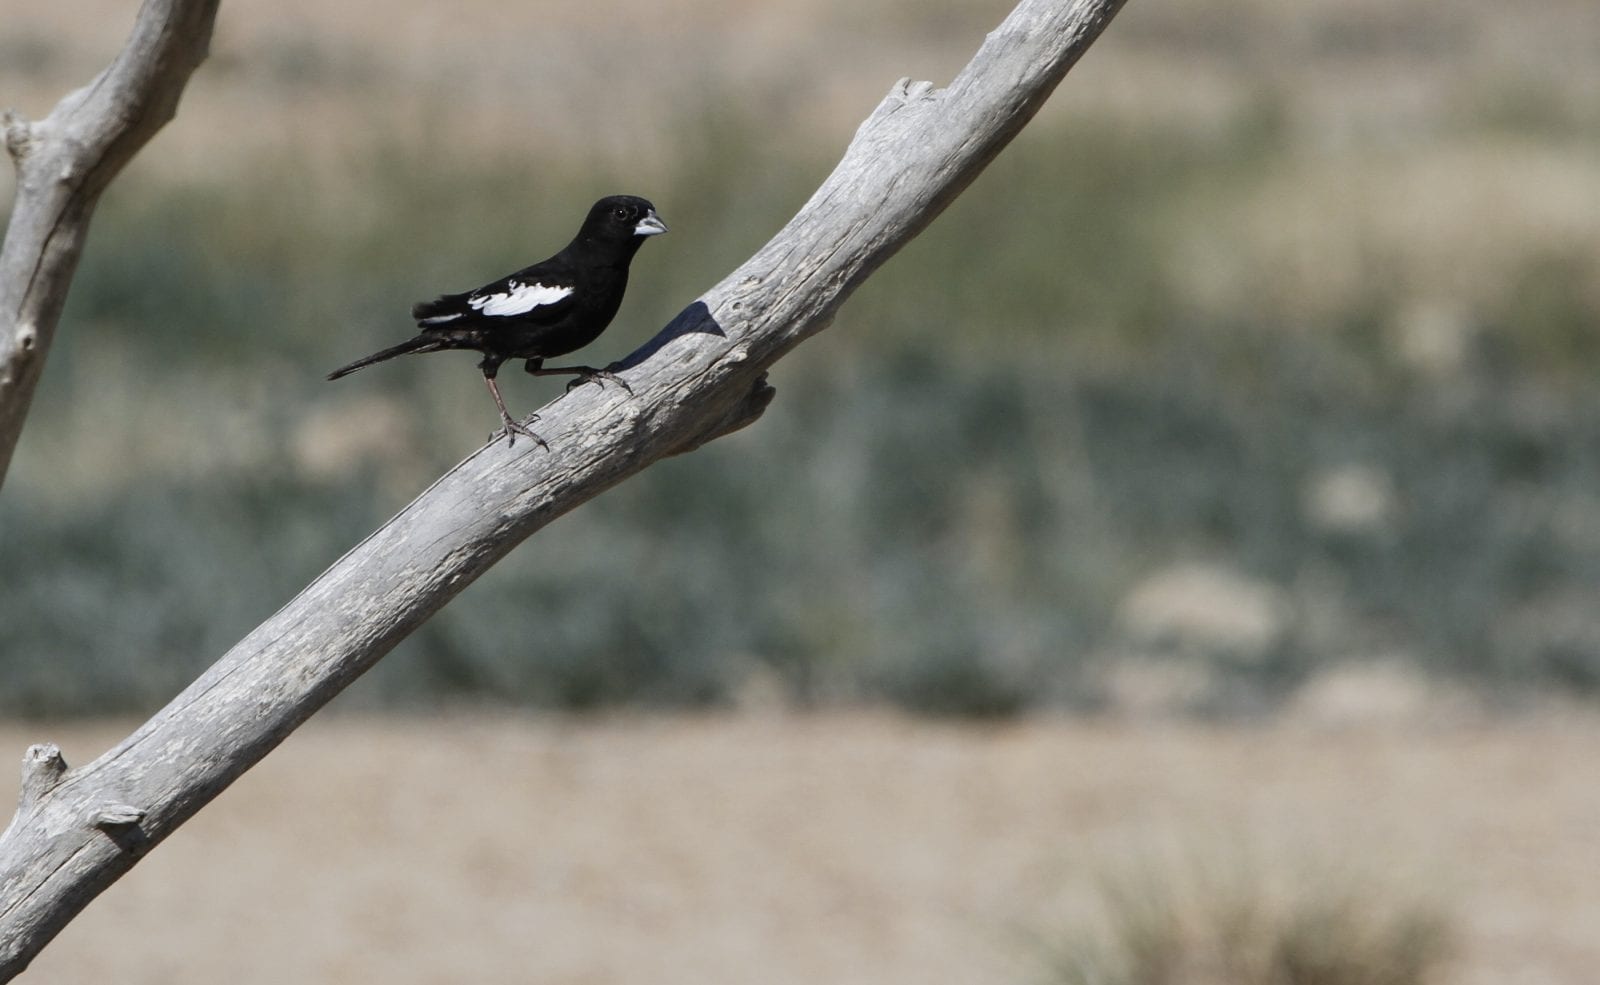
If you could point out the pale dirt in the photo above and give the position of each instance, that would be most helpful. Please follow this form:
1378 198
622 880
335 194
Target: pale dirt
310 85
834 849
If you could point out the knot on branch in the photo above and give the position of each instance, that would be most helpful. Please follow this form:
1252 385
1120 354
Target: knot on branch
120 823
740 414
14 360
24 340
117 816
902 94
43 766
17 133
907 90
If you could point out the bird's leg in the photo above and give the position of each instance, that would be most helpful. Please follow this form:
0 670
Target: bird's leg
581 374
508 427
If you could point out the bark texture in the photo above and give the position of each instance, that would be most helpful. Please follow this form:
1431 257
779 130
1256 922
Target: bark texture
703 375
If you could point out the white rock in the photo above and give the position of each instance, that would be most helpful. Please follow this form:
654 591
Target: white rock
1350 499
1207 607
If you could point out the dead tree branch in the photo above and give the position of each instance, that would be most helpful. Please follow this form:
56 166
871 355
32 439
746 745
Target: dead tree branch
63 163
702 376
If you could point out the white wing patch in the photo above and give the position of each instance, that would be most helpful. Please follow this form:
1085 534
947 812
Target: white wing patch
517 299
440 319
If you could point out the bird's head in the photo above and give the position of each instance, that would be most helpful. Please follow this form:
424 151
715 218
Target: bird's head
624 217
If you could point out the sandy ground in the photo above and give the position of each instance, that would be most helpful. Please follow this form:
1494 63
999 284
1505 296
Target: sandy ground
828 849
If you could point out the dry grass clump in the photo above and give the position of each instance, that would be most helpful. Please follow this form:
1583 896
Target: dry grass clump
1192 924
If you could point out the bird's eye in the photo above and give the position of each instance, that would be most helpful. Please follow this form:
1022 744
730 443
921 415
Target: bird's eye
620 212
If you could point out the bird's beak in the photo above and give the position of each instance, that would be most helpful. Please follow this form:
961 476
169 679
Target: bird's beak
650 225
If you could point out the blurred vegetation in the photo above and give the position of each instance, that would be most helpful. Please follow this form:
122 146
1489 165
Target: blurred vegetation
1125 348
1194 924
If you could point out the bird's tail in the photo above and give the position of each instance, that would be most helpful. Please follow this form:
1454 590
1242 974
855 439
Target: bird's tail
422 343
444 308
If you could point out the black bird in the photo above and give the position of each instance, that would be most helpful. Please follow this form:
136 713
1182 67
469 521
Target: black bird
549 309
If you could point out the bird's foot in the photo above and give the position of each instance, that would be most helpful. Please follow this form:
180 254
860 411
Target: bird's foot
599 377
509 430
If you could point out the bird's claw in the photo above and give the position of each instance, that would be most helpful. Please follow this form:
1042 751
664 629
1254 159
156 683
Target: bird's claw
509 430
599 377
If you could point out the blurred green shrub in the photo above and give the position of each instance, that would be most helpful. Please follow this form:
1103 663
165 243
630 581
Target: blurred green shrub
1020 419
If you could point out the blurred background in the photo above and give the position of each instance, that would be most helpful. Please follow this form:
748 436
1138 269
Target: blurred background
1252 390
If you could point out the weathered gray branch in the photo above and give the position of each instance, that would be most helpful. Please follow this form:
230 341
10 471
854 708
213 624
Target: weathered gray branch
702 376
64 162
